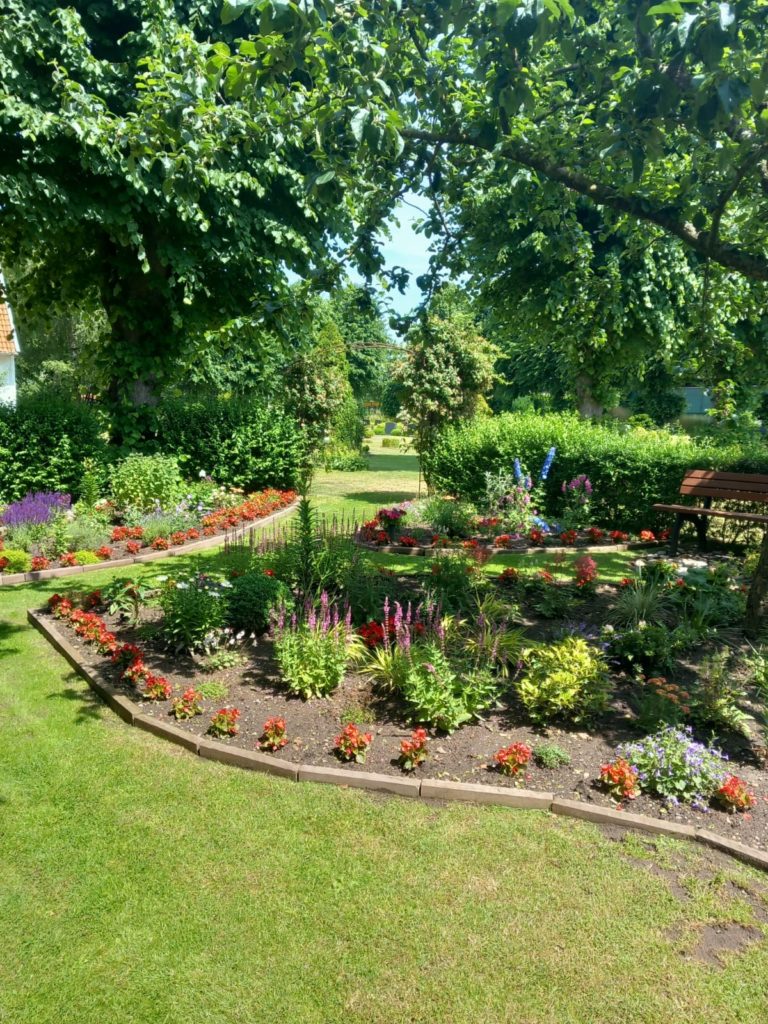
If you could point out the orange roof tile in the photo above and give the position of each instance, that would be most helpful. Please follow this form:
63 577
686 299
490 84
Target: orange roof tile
7 339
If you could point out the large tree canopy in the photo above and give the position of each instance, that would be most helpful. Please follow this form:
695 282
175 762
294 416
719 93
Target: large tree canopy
656 111
132 177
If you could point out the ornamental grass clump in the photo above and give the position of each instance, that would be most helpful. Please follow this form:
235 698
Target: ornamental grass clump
313 650
672 765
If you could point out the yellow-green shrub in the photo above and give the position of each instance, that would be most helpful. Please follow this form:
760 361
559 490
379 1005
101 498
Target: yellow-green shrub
564 679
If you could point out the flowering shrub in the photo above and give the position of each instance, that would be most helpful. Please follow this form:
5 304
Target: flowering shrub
35 509
672 765
647 535
618 536
503 540
352 745
194 611
187 705
313 652
161 544
224 722
620 779
586 572
179 537
577 496
413 752
133 547
104 552
156 687
512 759
536 537
735 795
407 541
509 577
389 519
660 702
568 537
595 534
40 562
273 736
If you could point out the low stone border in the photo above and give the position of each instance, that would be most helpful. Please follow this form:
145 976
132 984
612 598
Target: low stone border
588 549
11 579
425 789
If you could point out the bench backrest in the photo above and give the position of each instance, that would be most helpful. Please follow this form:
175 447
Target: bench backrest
707 483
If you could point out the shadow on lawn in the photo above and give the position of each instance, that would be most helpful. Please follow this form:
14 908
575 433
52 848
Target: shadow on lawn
89 706
383 497
7 630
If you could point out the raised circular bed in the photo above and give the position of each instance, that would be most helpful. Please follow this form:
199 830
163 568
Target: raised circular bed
205 543
425 789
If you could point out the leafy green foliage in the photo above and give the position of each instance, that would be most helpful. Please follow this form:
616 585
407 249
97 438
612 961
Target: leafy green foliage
551 756
251 600
312 659
629 469
567 679
194 612
141 482
440 695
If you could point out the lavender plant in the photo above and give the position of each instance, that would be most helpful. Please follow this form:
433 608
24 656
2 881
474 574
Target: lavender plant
35 508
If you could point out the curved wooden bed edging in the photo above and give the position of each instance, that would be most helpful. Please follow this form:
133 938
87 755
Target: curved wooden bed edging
205 543
425 789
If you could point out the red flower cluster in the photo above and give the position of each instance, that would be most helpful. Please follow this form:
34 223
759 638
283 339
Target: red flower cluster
509 577
121 533
413 752
133 547
536 536
618 536
40 562
351 744
88 625
161 544
192 533
595 534
669 691
586 571
273 736
545 576
157 687
487 522
736 795
439 540
503 540
104 552
68 559
512 759
407 541
647 535
224 722
470 545
255 506
187 705
626 581
569 537
178 537
4 563
620 779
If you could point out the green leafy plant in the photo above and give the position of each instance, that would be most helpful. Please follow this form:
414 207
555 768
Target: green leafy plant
252 598
640 601
86 558
659 702
87 533
450 517
551 756
125 596
194 611
719 694
439 694
648 648
567 678
670 764
144 481
213 689
313 653
15 560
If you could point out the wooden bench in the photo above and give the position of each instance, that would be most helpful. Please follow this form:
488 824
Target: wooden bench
709 485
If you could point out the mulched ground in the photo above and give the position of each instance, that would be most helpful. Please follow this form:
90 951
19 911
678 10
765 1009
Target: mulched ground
467 755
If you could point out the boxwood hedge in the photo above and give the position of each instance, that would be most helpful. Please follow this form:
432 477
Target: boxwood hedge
630 469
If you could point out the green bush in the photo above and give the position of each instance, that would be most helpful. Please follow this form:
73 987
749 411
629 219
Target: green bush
18 561
629 469
194 610
144 481
344 460
566 679
390 442
443 696
44 442
252 598
246 443
86 558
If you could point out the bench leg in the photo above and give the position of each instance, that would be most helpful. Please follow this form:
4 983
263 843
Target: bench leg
701 524
674 537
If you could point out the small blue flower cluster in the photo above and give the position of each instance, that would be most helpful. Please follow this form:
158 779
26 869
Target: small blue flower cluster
671 764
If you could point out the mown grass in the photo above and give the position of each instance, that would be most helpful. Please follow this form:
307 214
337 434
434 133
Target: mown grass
141 884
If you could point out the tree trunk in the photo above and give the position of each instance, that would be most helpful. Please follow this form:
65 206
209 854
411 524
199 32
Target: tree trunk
588 405
756 595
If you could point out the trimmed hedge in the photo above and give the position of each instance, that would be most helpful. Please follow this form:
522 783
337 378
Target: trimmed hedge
242 443
629 469
44 442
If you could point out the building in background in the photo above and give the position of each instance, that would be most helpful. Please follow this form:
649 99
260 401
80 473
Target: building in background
9 349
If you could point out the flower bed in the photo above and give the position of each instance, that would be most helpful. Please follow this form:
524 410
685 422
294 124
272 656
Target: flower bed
555 686
46 524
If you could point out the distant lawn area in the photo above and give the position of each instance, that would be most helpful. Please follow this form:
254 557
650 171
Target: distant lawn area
142 885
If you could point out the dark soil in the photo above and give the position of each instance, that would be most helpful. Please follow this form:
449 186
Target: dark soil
253 686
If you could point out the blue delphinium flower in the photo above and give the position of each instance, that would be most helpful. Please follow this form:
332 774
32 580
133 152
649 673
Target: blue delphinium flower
518 470
547 463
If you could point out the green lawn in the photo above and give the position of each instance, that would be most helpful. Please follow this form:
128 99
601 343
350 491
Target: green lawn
140 884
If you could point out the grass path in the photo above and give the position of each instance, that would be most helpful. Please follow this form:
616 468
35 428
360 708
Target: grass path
140 885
